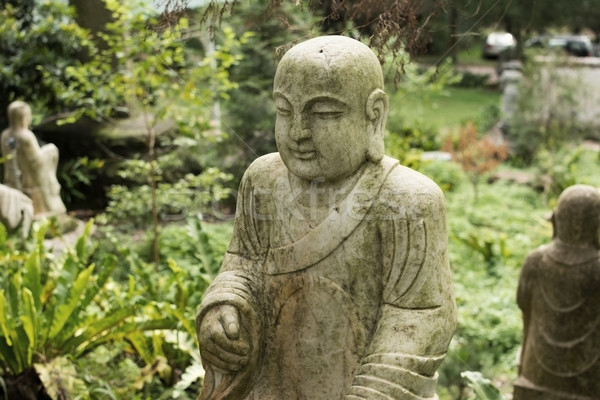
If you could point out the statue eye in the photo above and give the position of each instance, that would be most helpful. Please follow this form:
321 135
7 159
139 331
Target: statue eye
283 107
283 111
328 114
327 109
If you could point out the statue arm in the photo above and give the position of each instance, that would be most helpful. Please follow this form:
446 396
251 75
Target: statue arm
418 313
229 319
524 298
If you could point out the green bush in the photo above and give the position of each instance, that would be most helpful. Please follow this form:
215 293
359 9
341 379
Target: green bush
55 309
448 175
547 113
38 44
470 79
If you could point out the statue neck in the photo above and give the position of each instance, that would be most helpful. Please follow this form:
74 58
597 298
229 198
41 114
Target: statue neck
323 194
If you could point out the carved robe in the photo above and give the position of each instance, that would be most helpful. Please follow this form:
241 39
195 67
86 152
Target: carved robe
34 172
359 306
558 294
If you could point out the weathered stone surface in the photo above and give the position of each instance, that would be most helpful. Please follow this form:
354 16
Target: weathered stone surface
16 210
336 284
31 169
558 294
510 78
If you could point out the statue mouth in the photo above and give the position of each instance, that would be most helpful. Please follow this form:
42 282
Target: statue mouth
305 155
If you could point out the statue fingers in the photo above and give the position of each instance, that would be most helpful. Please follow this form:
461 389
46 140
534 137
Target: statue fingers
223 361
238 347
230 323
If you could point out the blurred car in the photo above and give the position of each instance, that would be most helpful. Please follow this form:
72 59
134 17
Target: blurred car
575 45
498 42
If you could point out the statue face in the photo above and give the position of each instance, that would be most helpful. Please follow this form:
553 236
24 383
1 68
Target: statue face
321 123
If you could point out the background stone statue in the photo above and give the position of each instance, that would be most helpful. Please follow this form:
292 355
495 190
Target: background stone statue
560 299
336 283
31 168
16 210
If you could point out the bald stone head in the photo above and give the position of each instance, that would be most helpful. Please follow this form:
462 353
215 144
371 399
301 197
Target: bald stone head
331 108
577 216
19 115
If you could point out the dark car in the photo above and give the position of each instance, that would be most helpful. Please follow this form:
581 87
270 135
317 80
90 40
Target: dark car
575 45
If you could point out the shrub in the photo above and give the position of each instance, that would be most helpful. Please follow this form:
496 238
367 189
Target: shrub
56 309
447 175
38 44
547 115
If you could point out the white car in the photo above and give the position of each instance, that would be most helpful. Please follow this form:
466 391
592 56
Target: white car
496 43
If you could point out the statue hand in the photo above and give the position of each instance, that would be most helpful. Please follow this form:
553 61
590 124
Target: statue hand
223 343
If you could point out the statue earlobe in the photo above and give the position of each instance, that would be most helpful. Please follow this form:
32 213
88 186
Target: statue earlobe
376 110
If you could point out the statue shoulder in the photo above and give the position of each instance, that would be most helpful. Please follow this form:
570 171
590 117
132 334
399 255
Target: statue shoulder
406 188
263 171
404 180
533 261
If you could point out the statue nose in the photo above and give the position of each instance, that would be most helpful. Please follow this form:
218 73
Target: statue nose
300 132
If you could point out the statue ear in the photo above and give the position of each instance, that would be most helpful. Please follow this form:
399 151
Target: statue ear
376 110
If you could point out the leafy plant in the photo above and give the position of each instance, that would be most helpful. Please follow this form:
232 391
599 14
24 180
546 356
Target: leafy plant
476 156
483 387
556 170
491 247
75 173
150 74
448 175
38 44
53 307
548 111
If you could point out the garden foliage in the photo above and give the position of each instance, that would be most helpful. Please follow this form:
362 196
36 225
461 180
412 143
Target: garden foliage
548 113
62 306
38 44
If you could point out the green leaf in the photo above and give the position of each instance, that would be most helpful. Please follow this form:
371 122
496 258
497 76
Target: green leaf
65 310
97 330
187 325
21 346
108 266
138 341
15 286
3 234
126 329
40 234
80 246
9 358
32 277
30 323
3 318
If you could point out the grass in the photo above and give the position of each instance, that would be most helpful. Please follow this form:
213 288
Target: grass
469 53
444 110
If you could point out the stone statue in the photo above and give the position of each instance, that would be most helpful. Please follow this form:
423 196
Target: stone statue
510 79
559 297
16 210
31 168
336 284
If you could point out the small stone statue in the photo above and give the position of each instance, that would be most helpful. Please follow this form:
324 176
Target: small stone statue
336 284
510 79
31 168
16 210
559 296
